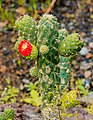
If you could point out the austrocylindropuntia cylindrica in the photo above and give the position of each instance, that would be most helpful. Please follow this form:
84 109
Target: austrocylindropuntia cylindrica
52 49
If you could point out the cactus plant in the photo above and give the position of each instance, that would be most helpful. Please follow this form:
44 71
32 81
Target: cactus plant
55 50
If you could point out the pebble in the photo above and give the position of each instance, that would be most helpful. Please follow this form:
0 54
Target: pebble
25 80
62 26
18 72
71 27
89 55
84 51
91 44
76 67
87 99
87 74
83 34
84 65
74 62
87 39
91 51
3 69
13 39
86 83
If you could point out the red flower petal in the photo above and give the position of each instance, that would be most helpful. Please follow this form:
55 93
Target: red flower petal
25 48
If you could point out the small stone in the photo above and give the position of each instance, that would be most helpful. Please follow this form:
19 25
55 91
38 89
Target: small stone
76 67
25 80
80 116
71 27
84 65
84 51
62 25
87 99
3 69
89 55
74 62
83 34
21 87
91 44
87 39
87 74
86 83
13 39
18 72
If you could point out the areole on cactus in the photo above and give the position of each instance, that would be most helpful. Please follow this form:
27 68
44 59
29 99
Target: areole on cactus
52 49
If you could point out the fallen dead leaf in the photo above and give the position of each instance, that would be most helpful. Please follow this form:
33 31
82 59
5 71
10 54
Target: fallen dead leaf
21 10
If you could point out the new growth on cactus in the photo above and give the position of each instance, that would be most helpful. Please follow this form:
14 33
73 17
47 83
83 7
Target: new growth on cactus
52 50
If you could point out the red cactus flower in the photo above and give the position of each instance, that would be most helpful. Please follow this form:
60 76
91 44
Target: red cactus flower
25 48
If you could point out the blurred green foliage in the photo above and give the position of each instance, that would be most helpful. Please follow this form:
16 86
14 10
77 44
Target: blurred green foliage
33 96
8 114
9 94
9 9
81 88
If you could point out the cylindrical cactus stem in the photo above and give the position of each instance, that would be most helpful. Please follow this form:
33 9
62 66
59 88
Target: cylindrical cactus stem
47 30
65 69
55 74
71 45
62 34
27 28
53 80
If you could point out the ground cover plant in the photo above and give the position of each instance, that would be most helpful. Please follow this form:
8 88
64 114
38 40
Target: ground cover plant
52 49
7 115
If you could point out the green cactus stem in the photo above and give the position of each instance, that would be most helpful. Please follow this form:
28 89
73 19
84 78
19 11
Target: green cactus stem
27 28
47 30
71 45
55 50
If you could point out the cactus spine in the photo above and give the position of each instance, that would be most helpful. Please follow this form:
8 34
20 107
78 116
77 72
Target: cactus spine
55 48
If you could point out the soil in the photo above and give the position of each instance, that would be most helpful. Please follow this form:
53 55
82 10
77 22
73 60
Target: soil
28 112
